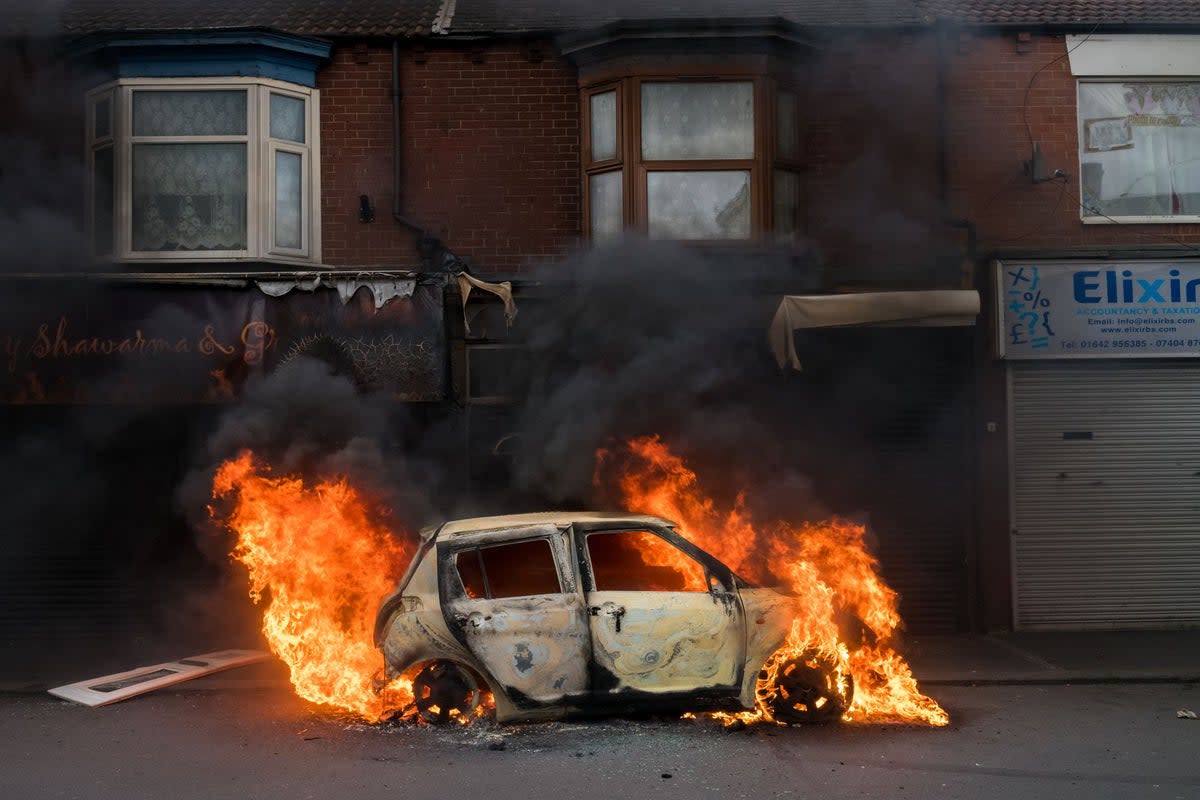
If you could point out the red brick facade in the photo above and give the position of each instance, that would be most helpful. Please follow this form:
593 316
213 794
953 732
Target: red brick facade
989 77
490 149
490 146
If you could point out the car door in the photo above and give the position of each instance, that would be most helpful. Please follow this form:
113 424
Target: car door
665 617
512 599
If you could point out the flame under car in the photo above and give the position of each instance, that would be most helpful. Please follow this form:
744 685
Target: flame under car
559 614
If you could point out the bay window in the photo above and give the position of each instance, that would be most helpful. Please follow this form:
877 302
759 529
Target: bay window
204 169
692 158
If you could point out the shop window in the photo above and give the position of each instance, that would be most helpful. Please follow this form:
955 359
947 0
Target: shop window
640 561
1139 153
518 569
692 159
204 169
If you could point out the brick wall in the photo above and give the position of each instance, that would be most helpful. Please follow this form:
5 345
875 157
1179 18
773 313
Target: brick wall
490 149
490 154
989 79
871 148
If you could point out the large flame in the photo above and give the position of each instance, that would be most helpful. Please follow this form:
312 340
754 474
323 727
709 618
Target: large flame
319 561
826 565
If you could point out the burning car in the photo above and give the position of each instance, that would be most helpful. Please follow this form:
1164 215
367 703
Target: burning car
563 614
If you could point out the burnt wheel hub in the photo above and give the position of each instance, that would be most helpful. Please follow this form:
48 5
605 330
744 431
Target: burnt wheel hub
446 691
806 690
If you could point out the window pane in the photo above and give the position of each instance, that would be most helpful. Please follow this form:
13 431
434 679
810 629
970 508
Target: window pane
787 128
521 569
102 202
787 203
189 113
1140 148
189 197
697 120
471 573
639 561
287 118
604 194
102 118
604 126
287 200
699 205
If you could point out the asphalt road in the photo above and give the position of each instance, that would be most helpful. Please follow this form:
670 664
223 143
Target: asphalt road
1096 741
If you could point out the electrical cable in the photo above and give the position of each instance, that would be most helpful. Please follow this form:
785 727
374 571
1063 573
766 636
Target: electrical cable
1043 68
1089 209
1046 221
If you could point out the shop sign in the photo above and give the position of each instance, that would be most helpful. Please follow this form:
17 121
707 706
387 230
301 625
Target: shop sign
76 342
1102 309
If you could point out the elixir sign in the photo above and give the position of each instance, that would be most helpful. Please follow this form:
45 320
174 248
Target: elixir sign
1104 309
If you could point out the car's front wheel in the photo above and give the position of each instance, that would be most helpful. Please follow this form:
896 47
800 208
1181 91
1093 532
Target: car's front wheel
805 690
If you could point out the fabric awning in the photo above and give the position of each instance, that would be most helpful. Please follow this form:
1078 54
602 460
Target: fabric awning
935 307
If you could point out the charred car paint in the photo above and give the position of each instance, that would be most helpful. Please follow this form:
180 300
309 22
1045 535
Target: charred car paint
560 614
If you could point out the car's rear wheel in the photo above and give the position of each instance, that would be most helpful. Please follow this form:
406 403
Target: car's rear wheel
806 691
446 691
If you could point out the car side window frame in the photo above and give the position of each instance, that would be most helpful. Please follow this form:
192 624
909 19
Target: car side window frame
451 584
719 578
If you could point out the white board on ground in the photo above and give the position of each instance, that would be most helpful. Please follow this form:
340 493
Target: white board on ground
123 685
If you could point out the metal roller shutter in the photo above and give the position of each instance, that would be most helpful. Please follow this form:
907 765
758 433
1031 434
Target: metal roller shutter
1106 494
889 411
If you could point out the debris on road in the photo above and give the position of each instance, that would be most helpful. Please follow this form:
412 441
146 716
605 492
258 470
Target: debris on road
123 685
1185 713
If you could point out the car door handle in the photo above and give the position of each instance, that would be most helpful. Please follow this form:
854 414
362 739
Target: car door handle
609 610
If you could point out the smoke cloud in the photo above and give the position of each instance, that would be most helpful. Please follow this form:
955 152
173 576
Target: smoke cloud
655 337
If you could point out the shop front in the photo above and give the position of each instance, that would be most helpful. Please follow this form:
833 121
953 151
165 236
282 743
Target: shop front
1103 441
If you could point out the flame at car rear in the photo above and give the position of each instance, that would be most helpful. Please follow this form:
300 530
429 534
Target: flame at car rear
319 560
826 565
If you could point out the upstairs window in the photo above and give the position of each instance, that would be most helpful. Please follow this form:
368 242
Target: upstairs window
1139 152
692 159
204 169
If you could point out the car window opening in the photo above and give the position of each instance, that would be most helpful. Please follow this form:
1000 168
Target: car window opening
518 569
640 561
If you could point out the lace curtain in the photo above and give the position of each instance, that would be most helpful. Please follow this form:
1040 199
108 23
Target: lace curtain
697 120
1140 148
189 196
604 195
699 205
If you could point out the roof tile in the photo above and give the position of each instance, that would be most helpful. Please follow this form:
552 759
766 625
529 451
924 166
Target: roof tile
305 17
476 17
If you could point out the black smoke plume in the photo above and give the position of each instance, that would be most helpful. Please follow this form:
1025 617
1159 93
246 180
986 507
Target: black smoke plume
660 338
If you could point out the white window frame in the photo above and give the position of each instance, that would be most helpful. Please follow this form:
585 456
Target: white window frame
1130 58
1114 219
260 168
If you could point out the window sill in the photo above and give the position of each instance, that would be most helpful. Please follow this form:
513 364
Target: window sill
1114 220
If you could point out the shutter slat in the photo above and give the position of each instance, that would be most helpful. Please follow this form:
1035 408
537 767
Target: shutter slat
1106 494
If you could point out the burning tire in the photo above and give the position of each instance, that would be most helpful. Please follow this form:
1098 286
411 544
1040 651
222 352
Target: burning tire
806 691
445 691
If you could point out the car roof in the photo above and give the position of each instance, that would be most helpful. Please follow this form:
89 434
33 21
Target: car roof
476 524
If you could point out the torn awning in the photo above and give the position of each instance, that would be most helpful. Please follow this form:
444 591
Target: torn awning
934 307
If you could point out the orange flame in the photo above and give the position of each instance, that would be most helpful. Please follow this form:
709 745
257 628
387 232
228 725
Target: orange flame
320 563
826 565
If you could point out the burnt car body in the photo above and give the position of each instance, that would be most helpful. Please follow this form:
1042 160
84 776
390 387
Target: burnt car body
562 614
